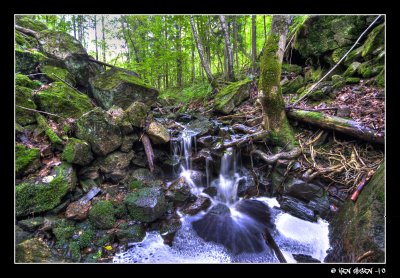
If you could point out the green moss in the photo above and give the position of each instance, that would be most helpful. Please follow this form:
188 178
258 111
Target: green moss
291 68
375 39
63 231
102 215
231 95
352 69
135 233
338 53
24 157
74 251
59 44
352 80
23 97
53 137
85 239
53 72
338 81
354 55
120 211
103 240
293 85
21 40
28 22
112 78
77 151
136 113
25 81
380 79
27 60
62 100
135 185
31 197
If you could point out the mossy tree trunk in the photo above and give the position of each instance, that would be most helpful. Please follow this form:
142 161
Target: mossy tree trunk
270 96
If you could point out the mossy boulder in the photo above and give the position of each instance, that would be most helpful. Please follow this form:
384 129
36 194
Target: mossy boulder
25 81
27 60
29 22
133 233
231 96
136 113
286 68
26 160
179 190
63 230
352 69
128 141
380 79
53 73
121 119
32 251
354 55
321 34
293 85
62 100
352 80
102 215
21 235
46 193
369 69
77 152
337 54
144 176
158 133
98 129
146 204
122 88
338 81
375 40
50 133
360 227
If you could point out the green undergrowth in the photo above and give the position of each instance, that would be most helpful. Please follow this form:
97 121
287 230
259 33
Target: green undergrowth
195 92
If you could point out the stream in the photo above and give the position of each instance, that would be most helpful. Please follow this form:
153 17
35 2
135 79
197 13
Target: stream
231 229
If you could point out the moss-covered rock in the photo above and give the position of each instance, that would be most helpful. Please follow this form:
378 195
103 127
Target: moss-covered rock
134 233
146 204
23 41
21 235
53 137
62 100
286 68
136 113
29 22
338 81
293 85
114 165
375 39
352 69
179 190
360 227
144 176
31 224
312 74
32 251
102 215
27 60
380 79
74 251
45 194
26 160
352 80
63 230
158 133
369 69
100 131
128 141
120 117
25 81
23 97
338 53
321 34
53 73
77 152
232 95
122 88
354 56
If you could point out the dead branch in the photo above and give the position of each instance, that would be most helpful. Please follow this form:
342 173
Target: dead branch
38 111
26 31
271 242
148 150
257 136
365 255
271 159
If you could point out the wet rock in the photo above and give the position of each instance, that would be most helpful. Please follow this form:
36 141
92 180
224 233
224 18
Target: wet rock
301 258
146 204
128 141
201 126
247 185
201 203
87 185
198 177
114 165
184 118
102 216
212 191
60 99
31 224
27 160
21 235
302 190
158 133
23 97
231 96
119 117
297 208
32 251
179 190
100 131
208 141
169 228
136 113
360 227
77 152
132 233
78 210
121 87
44 194
142 175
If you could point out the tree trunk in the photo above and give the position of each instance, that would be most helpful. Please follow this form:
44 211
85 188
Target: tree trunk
270 95
103 43
179 69
342 125
193 67
95 37
253 42
128 54
204 62
265 28
231 76
235 38
74 25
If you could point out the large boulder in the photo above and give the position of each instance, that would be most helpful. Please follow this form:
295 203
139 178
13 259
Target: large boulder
62 100
158 133
321 34
44 194
146 204
360 227
26 160
121 87
77 152
98 129
32 251
53 73
231 96
28 22
23 97
136 113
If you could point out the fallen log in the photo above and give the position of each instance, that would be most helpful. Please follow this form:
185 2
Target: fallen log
345 126
257 136
271 242
148 150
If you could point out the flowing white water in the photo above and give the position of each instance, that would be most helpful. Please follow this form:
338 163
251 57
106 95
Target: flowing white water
221 234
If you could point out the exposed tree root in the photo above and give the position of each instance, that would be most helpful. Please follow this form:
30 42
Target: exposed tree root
271 159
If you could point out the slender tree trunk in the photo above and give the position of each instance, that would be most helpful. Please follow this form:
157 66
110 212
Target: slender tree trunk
74 25
231 77
253 42
193 67
270 95
128 55
204 62
103 43
179 69
235 38
95 37
265 28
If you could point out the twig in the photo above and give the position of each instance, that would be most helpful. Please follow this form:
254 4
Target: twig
38 111
344 56
365 255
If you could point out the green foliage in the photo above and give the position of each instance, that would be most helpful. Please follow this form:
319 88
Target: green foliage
102 215
196 92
